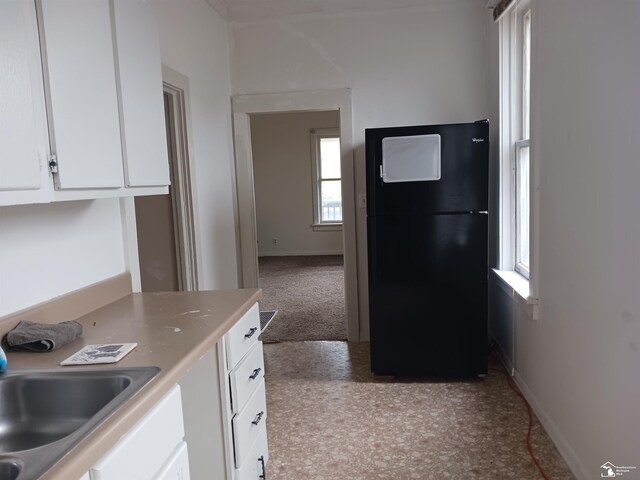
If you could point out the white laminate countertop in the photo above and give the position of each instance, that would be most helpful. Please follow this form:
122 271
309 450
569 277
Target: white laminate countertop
173 331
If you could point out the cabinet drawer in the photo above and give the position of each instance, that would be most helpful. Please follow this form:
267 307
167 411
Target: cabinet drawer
177 467
254 466
247 424
246 377
242 336
140 454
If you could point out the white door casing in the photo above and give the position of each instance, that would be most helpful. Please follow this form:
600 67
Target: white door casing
320 100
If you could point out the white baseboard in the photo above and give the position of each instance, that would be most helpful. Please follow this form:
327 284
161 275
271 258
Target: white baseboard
564 447
280 253
507 362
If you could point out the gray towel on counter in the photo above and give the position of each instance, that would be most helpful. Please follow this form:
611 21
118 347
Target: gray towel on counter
42 337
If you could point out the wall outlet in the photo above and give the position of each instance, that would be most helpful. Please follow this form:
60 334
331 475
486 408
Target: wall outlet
275 241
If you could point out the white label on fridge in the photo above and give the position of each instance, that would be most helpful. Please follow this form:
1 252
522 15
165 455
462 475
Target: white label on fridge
414 158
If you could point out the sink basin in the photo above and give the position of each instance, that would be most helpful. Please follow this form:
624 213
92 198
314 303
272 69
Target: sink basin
38 409
45 413
9 470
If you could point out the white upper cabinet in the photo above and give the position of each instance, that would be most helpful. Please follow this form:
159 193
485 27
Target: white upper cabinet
23 142
140 91
80 79
81 103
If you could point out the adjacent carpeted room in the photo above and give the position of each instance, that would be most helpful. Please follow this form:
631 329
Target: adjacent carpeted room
308 294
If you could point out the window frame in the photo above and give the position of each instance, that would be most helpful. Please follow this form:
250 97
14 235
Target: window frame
316 135
515 136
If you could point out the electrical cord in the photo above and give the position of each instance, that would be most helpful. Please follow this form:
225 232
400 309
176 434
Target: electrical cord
513 387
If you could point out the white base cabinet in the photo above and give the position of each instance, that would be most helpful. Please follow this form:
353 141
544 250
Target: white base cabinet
244 398
152 450
255 466
177 467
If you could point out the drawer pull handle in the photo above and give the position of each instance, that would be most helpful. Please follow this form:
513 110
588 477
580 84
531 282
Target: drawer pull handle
251 332
256 420
255 373
264 469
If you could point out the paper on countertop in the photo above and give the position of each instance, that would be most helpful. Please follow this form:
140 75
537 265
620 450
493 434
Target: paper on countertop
99 354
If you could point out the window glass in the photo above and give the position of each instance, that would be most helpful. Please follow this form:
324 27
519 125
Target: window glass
522 211
331 201
526 73
330 157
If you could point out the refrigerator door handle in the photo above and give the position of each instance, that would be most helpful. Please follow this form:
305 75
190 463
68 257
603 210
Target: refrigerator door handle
381 171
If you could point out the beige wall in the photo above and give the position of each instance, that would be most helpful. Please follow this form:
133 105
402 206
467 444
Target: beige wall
281 148
156 244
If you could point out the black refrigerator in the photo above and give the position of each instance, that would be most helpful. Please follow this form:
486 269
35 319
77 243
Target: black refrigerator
427 232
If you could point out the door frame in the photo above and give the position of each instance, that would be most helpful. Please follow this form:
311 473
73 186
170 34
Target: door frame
185 226
175 86
243 106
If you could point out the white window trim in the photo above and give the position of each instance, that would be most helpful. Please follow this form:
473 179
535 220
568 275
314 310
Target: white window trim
316 135
525 289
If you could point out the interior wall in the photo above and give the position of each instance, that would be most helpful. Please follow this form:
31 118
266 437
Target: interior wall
194 41
579 362
282 172
404 67
49 250
157 244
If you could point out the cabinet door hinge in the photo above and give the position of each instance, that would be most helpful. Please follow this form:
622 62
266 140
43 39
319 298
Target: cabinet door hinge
53 164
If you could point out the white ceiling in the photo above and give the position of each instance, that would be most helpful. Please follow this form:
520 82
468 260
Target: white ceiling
248 10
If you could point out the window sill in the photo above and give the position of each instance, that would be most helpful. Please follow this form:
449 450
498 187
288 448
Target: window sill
517 287
324 227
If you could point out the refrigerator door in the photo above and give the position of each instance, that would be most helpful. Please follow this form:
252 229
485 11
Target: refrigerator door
428 294
464 171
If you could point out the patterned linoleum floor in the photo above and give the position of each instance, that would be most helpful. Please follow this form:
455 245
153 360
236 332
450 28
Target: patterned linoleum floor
330 419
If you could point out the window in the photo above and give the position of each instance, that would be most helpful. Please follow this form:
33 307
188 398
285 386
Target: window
515 87
327 182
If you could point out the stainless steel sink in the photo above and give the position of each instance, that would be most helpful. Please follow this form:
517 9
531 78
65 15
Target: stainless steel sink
45 413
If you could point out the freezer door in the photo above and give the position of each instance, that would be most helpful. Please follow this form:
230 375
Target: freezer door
414 158
404 176
428 294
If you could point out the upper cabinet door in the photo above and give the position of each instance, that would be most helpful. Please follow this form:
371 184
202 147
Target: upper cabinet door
140 90
80 79
22 113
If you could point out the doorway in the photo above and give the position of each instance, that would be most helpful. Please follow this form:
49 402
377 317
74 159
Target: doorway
164 223
244 106
297 180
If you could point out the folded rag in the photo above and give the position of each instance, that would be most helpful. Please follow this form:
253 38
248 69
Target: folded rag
42 337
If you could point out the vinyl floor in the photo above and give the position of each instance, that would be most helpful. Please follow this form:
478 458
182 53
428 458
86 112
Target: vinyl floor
330 418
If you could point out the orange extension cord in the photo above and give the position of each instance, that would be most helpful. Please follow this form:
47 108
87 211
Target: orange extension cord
513 387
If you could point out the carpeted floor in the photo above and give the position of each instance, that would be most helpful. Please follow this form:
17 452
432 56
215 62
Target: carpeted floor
308 292
330 419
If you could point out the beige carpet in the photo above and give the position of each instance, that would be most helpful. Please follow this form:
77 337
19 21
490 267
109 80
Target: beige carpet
330 419
308 292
